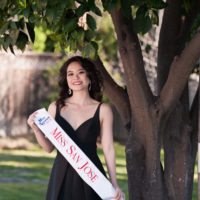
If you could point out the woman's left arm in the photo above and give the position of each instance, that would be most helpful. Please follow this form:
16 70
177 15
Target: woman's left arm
106 118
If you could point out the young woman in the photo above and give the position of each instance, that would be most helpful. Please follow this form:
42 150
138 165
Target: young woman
79 111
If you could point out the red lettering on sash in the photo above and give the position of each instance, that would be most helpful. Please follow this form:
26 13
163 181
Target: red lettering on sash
58 136
87 170
54 133
95 177
83 166
71 150
63 142
76 157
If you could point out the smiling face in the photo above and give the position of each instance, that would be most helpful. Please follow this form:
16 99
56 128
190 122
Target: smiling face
77 78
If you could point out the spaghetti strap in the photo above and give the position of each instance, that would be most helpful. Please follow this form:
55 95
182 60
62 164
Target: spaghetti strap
97 110
57 110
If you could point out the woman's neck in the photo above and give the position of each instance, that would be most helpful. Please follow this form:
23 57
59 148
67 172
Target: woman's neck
79 98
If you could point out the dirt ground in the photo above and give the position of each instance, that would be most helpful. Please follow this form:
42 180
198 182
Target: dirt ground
18 142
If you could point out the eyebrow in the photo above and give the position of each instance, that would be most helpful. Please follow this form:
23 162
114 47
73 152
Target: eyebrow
78 70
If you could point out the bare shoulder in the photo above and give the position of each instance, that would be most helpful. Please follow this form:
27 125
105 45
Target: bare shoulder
105 111
106 107
52 109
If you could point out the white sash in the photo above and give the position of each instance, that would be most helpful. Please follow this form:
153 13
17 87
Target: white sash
74 155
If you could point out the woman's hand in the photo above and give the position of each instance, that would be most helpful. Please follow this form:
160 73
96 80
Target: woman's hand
119 195
31 123
41 138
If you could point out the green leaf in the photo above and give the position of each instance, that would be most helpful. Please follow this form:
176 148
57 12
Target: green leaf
70 24
58 15
14 11
3 4
96 10
11 49
81 1
31 31
32 18
1 41
142 24
142 11
81 10
50 15
4 28
13 25
91 22
109 5
25 12
34 6
95 45
155 17
74 35
73 45
88 51
7 42
93 7
137 3
55 37
22 40
80 37
89 35
147 48
20 23
43 24
91 3
22 3
41 4
70 4
55 28
14 34
157 4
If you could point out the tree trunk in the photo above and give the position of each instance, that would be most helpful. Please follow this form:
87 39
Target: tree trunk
155 118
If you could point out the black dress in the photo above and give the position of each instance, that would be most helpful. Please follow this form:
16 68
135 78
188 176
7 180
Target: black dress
65 183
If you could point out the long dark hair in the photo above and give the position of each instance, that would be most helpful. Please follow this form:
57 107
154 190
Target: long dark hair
93 74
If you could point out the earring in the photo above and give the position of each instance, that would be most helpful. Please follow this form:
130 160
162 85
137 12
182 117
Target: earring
69 91
89 87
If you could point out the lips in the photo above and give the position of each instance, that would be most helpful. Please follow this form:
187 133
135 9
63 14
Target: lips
77 83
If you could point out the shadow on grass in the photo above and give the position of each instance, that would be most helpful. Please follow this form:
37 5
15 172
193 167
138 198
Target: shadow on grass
29 158
21 191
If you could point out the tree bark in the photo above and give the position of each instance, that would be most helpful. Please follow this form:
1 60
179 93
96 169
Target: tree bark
178 136
143 146
117 94
153 117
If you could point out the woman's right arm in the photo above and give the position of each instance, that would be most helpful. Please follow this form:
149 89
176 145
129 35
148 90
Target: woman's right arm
41 139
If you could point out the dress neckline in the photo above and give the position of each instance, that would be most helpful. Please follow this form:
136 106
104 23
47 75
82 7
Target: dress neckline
86 121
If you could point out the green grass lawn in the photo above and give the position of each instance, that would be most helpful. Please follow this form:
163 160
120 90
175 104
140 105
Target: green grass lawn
24 174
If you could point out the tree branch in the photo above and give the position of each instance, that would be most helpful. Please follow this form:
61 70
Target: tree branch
138 88
116 94
188 21
169 32
172 42
179 73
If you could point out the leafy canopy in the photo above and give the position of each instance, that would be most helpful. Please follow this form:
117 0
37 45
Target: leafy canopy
18 19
